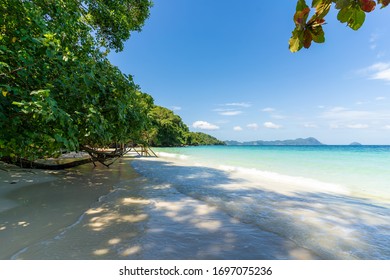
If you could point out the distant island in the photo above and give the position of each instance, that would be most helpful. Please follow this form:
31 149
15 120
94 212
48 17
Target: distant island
355 144
311 141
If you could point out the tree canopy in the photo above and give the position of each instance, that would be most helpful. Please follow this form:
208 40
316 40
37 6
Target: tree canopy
58 89
308 30
168 129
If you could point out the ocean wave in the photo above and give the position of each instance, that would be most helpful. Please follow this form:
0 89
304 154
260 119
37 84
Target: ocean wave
308 184
172 155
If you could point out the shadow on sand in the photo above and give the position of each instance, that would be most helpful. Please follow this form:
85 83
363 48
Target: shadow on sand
195 212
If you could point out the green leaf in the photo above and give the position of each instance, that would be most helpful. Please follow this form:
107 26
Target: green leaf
19 104
301 16
318 34
341 4
354 16
344 14
357 19
307 38
322 7
301 5
295 43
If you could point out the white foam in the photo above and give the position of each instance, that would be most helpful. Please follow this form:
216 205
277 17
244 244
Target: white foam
286 181
171 155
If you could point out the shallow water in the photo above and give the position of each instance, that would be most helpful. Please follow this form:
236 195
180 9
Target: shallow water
332 223
363 170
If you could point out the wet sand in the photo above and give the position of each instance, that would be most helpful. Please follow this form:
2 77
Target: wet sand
137 218
37 204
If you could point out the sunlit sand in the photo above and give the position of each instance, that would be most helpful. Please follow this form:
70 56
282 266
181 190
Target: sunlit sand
135 218
177 211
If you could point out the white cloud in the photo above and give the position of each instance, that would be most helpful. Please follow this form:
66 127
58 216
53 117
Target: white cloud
205 125
373 39
278 117
344 114
237 128
380 54
268 109
176 108
380 98
252 126
334 126
340 117
378 71
230 113
271 125
239 104
358 126
310 125
352 126
387 126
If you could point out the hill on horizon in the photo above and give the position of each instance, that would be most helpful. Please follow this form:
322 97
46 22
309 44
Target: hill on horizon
311 141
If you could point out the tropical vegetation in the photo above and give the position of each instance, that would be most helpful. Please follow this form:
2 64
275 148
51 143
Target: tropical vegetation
58 90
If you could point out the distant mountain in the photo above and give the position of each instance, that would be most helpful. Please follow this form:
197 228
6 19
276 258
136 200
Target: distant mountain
355 144
297 142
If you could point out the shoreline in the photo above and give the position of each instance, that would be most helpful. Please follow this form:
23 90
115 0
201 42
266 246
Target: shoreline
160 209
332 224
144 220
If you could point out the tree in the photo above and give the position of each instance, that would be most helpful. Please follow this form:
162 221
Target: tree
58 91
201 139
167 128
351 12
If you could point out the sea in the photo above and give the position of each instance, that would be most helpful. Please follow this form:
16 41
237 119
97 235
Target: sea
331 200
360 170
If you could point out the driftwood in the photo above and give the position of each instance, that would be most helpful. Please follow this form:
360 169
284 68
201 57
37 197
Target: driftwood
25 163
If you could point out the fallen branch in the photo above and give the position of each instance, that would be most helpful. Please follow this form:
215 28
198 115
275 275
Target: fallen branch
25 163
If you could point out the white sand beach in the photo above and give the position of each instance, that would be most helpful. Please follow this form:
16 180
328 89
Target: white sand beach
158 208
135 218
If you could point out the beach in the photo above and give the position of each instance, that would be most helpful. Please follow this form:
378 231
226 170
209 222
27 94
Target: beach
165 208
36 204
136 219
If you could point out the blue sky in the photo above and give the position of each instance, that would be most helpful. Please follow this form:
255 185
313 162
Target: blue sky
225 68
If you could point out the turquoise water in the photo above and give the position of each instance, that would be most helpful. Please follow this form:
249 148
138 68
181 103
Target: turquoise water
362 170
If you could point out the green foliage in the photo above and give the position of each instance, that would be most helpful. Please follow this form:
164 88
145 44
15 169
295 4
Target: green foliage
200 139
167 128
113 19
351 12
58 89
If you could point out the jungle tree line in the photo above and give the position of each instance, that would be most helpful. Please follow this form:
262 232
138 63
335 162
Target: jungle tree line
58 90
